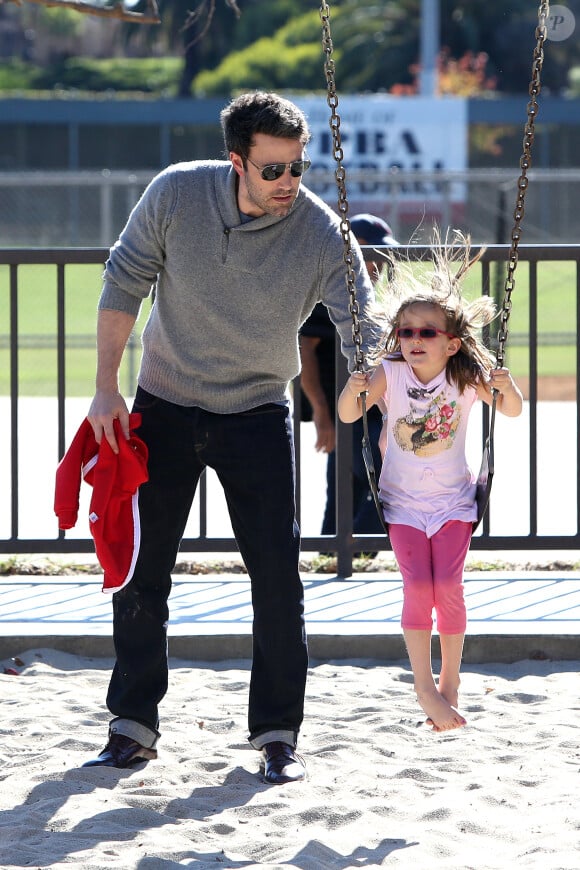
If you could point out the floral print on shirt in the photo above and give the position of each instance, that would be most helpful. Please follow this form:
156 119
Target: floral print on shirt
430 425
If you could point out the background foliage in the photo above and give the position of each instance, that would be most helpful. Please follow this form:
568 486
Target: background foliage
278 45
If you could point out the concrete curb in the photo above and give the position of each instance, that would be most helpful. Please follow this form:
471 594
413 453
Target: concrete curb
323 647
511 616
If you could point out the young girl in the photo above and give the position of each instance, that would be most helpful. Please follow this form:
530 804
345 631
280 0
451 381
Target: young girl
431 368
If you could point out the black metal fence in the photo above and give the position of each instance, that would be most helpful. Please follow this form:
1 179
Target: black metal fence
540 465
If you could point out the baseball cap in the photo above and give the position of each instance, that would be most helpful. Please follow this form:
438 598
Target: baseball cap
374 230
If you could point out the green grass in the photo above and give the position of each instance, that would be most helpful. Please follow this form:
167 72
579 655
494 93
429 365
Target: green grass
37 358
556 317
37 325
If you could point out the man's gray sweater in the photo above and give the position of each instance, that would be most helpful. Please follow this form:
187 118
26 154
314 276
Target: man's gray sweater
230 296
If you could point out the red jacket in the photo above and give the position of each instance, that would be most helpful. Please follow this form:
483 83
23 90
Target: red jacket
114 507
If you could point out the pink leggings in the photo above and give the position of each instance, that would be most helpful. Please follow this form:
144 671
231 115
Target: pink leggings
432 570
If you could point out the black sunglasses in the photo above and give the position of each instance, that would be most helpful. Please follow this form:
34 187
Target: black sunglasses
422 332
273 171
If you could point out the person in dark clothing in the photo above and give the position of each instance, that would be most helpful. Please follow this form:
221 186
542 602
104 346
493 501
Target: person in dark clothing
318 399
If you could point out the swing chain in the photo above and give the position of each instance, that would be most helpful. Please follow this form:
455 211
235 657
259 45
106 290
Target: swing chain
522 184
340 176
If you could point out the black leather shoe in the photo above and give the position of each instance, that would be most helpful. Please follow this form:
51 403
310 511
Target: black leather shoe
121 751
282 763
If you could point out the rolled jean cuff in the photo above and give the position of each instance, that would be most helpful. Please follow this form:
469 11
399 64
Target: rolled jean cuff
136 731
289 737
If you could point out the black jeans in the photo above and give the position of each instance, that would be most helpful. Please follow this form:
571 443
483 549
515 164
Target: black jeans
253 456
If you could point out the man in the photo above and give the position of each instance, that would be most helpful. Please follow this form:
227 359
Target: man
318 382
239 253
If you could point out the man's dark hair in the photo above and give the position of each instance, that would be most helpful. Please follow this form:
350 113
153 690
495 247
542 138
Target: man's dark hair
261 112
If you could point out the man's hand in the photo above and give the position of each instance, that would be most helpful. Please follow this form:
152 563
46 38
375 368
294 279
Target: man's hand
106 407
325 431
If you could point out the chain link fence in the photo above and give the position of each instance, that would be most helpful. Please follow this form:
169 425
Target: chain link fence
87 209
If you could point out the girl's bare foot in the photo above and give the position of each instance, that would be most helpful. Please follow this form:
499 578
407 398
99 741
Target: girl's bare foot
449 691
451 695
441 714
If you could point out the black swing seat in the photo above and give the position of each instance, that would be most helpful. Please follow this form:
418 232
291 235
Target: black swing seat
369 462
484 478
486 469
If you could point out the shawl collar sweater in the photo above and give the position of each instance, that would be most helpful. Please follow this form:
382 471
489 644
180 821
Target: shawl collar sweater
230 295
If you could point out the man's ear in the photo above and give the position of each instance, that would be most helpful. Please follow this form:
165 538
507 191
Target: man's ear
237 163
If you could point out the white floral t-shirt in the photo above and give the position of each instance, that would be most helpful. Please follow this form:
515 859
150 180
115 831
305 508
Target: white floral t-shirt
425 479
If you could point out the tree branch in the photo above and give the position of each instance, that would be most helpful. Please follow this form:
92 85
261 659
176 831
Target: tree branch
151 16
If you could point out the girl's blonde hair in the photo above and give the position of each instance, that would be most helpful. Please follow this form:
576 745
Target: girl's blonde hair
441 288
